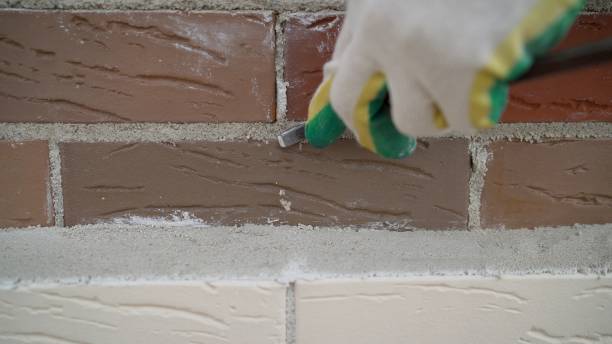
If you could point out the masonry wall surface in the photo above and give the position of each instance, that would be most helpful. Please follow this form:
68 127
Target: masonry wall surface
141 143
242 67
105 274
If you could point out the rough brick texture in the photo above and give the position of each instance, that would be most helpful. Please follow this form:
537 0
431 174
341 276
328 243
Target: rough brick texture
310 43
24 175
136 66
535 309
548 184
152 313
238 183
581 95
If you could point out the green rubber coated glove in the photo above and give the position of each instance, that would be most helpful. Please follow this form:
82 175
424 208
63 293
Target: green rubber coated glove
403 69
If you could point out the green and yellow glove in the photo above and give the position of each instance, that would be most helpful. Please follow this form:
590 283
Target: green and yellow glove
403 69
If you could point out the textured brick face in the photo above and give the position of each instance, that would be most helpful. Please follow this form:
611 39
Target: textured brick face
429 310
136 66
24 174
548 184
573 96
152 313
310 43
581 95
237 183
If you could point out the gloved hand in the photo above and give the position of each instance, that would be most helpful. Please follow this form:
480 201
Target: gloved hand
441 65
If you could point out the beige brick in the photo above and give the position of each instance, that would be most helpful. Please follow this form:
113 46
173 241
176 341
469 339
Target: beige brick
563 309
145 313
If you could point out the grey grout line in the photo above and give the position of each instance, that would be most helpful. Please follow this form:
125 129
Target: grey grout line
56 182
142 132
281 85
161 132
479 156
223 253
290 316
50 204
535 132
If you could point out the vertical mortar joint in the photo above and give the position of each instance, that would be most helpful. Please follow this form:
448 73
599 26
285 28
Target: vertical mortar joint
479 156
281 86
55 176
290 317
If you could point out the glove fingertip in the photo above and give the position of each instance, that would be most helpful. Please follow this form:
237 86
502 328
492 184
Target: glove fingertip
395 146
324 127
388 141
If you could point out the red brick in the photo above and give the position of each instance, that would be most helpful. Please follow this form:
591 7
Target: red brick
86 67
310 43
24 184
574 96
238 183
581 95
548 184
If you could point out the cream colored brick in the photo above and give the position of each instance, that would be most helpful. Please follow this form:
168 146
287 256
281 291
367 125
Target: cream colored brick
537 310
144 313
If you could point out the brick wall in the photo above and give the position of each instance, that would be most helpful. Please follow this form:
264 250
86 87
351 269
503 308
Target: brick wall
430 310
118 116
577 96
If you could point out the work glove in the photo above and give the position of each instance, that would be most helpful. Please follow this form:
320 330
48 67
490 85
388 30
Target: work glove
403 69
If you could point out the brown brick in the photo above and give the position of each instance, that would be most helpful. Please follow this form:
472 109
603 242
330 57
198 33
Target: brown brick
548 184
573 96
24 187
310 43
237 183
581 95
136 66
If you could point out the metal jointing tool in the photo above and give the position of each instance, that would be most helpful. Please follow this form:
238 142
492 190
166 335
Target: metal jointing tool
569 59
292 136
